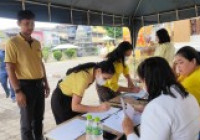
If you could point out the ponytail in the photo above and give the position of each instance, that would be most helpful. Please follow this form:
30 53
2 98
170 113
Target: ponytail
105 66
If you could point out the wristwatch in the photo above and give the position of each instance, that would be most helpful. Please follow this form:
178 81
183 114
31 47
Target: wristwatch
17 90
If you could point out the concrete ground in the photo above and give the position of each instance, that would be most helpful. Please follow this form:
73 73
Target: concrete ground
9 112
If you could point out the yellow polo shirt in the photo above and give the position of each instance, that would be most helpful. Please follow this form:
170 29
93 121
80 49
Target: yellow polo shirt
27 58
113 82
77 83
192 83
167 51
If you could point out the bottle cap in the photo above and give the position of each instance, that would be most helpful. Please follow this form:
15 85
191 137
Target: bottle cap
89 117
97 119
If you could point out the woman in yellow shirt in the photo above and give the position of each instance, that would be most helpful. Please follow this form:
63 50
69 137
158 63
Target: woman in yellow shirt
67 97
187 62
164 48
111 88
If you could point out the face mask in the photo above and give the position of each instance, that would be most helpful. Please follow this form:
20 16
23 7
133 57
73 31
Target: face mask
100 81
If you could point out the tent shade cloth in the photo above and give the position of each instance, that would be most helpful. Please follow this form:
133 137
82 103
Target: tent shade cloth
65 46
131 13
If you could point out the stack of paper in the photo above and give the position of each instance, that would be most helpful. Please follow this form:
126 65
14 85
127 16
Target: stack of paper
115 121
68 131
104 115
141 94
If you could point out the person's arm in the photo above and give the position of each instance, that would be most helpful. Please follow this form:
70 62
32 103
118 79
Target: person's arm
129 80
155 125
11 60
20 97
148 50
78 107
46 84
128 89
131 85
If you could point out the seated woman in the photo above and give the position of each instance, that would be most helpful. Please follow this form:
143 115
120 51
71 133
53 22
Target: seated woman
67 97
187 62
172 113
111 88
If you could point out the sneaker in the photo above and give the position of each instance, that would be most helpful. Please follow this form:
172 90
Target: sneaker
7 95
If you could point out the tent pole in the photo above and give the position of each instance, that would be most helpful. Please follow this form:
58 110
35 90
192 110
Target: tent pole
177 15
102 19
158 18
71 15
113 20
49 10
88 17
122 20
23 5
196 11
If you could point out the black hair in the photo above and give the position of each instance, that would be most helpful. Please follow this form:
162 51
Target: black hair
118 54
25 14
159 77
189 53
105 66
163 36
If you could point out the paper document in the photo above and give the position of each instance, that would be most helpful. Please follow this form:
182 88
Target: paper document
133 115
68 131
123 105
103 115
141 94
115 121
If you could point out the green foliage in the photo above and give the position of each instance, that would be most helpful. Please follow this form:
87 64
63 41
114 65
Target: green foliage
114 31
57 55
70 53
45 53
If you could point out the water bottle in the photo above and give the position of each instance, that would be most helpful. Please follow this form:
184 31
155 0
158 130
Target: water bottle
89 127
97 129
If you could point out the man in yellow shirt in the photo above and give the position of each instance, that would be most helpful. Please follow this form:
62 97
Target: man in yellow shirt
27 75
187 61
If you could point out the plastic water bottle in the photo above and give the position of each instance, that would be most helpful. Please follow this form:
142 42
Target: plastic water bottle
97 129
89 127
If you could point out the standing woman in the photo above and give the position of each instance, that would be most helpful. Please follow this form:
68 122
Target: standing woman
111 89
67 97
164 48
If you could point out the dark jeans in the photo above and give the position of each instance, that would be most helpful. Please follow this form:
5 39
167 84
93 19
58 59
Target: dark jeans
105 93
32 114
61 106
4 83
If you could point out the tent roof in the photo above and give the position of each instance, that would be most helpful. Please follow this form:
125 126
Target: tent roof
104 12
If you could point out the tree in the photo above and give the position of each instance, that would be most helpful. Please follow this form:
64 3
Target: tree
114 32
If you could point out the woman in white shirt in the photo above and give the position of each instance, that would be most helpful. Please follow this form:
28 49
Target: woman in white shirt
172 113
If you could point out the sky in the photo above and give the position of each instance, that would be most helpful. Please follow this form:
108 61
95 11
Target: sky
11 23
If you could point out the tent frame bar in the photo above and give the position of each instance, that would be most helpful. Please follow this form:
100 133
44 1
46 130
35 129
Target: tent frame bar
172 11
49 5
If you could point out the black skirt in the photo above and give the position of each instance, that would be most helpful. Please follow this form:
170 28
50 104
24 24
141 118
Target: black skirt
61 106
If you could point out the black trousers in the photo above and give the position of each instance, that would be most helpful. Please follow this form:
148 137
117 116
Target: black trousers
32 114
105 93
61 106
